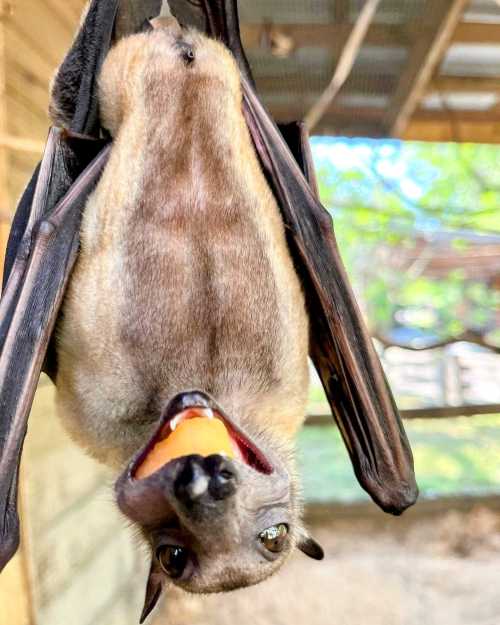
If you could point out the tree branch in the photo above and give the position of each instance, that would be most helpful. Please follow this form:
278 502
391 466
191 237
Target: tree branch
468 336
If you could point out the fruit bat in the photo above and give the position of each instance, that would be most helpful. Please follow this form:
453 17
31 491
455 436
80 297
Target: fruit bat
171 268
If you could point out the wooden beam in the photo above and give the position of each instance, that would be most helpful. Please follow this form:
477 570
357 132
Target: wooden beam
459 84
426 125
341 11
337 113
471 32
345 63
4 178
442 129
491 116
296 85
20 144
331 36
441 412
442 17
338 120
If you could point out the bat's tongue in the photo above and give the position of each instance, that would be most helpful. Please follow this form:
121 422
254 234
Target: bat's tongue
193 434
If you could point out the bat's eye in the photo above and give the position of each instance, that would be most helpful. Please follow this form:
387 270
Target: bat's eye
274 538
173 560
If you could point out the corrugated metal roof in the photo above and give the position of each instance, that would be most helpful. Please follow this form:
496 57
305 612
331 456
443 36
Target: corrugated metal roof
472 60
483 11
290 80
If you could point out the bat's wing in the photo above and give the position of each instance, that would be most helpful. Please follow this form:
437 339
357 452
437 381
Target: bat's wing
43 242
341 348
30 304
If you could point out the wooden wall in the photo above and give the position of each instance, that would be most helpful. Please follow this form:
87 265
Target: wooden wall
34 37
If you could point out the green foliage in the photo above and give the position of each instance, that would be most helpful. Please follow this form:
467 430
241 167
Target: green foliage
382 195
452 457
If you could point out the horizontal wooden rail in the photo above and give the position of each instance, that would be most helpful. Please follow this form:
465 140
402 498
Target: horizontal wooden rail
443 412
21 144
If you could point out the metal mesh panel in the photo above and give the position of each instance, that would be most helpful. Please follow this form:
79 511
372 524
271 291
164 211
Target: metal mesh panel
291 81
287 11
394 11
324 11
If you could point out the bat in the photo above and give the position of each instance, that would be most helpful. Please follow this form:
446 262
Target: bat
171 267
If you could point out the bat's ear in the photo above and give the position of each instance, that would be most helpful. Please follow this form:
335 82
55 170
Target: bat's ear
154 589
310 547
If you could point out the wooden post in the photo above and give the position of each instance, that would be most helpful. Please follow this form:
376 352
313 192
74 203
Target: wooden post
442 17
4 189
14 593
345 63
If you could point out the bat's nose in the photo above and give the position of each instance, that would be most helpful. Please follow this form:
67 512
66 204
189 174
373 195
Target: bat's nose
203 479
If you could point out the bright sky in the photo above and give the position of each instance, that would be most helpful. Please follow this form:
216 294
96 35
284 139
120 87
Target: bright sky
345 154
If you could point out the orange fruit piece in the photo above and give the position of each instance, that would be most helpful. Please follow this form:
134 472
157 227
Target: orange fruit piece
199 435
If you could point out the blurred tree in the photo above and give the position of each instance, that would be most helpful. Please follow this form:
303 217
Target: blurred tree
392 201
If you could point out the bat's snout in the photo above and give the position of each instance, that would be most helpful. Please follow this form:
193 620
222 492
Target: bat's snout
205 480
193 464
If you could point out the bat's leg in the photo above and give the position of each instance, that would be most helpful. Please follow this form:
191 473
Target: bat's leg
341 348
44 281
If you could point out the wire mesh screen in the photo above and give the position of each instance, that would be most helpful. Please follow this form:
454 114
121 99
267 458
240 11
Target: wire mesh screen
294 46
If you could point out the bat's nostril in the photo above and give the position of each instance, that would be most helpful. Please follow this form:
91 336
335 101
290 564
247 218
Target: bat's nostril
223 481
217 464
213 477
226 475
221 487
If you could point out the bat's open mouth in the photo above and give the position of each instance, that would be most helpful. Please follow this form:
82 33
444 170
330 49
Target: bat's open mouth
194 424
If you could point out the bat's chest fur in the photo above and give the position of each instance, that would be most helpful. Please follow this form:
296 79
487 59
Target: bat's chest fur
184 281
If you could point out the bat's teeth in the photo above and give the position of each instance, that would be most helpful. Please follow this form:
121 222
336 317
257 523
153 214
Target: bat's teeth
175 422
208 413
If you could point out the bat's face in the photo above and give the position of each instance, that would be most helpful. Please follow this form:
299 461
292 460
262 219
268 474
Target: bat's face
214 523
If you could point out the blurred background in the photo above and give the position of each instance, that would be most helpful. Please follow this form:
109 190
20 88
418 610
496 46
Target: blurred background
407 151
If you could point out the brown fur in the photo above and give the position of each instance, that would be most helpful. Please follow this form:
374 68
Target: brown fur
185 281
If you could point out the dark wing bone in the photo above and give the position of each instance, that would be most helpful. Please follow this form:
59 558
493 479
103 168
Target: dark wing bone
41 280
341 348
